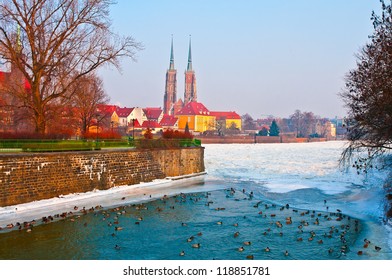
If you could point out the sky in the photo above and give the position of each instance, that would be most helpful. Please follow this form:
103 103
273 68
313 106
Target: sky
251 56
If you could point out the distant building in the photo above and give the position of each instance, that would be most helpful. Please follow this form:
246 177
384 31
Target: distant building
190 93
228 119
153 114
197 116
170 96
169 121
170 103
153 125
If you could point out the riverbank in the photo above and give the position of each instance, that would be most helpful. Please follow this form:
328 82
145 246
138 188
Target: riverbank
72 204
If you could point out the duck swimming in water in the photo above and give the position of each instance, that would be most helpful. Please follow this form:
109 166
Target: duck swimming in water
182 253
267 249
240 249
197 245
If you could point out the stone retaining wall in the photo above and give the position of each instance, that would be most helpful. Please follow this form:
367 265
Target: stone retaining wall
29 177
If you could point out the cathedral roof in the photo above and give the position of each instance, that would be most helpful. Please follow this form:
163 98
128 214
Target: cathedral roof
194 108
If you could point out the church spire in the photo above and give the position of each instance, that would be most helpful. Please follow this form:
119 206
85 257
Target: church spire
171 55
18 39
189 68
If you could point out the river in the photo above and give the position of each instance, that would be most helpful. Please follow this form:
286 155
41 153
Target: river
259 201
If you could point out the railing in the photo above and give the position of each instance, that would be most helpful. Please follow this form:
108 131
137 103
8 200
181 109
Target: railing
44 145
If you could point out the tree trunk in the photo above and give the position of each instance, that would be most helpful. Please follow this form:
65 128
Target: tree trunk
40 123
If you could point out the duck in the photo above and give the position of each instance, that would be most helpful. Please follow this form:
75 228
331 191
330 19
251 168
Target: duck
267 249
320 241
190 239
299 239
377 248
219 222
117 247
286 253
236 234
359 253
118 228
330 250
182 253
250 257
235 224
247 243
199 234
240 249
196 245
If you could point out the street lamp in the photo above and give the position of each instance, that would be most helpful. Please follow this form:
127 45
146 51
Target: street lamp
133 128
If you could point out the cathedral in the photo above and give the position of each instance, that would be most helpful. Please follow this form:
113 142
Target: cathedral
189 112
171 106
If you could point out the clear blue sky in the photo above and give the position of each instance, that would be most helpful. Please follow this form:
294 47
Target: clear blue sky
251 56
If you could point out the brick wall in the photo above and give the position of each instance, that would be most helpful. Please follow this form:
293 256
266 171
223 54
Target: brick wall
30 177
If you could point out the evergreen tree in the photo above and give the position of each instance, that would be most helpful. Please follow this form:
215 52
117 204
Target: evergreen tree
263 132
274 129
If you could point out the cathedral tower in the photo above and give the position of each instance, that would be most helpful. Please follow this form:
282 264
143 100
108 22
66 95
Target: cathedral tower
190 80
171 86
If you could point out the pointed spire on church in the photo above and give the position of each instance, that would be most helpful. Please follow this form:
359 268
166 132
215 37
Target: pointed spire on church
189 68
171 55
18 39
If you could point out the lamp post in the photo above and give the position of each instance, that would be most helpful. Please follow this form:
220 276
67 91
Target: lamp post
133 129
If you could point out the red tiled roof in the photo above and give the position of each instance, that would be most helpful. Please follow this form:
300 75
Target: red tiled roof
137 124
152 113
194 108
124 112
151 124
168 120
107 108
225 115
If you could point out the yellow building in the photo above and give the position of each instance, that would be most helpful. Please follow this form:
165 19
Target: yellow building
198 117
230 120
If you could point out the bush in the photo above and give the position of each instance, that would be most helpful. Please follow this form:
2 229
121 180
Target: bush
175 134
102 135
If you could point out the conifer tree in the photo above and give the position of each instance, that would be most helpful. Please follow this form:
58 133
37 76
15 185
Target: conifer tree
274 129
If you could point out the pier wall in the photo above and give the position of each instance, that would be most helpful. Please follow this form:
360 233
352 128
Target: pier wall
29 177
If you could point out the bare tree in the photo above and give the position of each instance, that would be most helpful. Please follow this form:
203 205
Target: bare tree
49 41
368 96
297 122
248 122
89 93
303 123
